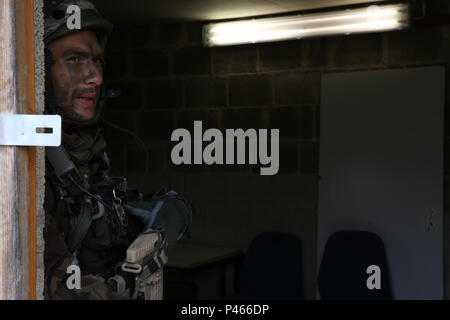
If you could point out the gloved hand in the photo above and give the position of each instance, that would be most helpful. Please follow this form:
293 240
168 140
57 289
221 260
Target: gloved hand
171 214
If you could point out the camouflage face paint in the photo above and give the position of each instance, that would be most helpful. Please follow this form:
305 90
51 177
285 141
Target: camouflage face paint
77 74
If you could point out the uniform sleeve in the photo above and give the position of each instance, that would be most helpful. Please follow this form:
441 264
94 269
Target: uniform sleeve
56 257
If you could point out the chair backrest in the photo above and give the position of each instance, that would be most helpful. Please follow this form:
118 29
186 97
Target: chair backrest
343 273
272 268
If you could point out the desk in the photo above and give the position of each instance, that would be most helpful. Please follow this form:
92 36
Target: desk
211 268
192 255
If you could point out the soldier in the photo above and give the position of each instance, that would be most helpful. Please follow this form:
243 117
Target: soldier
91 217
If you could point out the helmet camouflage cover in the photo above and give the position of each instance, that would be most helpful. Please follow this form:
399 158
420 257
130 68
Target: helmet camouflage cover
56 17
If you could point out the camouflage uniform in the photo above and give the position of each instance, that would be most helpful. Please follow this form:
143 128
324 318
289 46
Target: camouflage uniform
57 255
99 246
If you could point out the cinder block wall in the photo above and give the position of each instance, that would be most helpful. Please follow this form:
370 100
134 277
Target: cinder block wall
168 80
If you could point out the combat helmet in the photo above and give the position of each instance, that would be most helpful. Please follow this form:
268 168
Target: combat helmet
56 20
56 16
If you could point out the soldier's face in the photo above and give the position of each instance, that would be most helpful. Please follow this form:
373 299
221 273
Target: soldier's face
77 74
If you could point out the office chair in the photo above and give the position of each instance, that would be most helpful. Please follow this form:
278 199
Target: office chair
343 270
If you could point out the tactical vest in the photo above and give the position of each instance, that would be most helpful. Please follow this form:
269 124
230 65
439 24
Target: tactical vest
94 234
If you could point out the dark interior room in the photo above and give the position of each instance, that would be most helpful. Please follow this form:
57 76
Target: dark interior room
360 189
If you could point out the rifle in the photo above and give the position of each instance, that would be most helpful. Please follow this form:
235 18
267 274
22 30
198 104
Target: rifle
140 276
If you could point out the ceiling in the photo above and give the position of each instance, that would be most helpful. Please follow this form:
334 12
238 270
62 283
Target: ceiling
145 11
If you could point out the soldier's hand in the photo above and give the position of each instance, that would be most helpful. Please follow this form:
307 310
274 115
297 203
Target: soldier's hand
171 214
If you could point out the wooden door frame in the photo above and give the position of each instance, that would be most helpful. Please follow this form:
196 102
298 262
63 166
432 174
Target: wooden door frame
22 169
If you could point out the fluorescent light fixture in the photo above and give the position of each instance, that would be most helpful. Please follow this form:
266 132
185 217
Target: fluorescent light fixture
374 18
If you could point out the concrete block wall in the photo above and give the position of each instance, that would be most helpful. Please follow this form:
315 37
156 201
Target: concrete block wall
168 80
